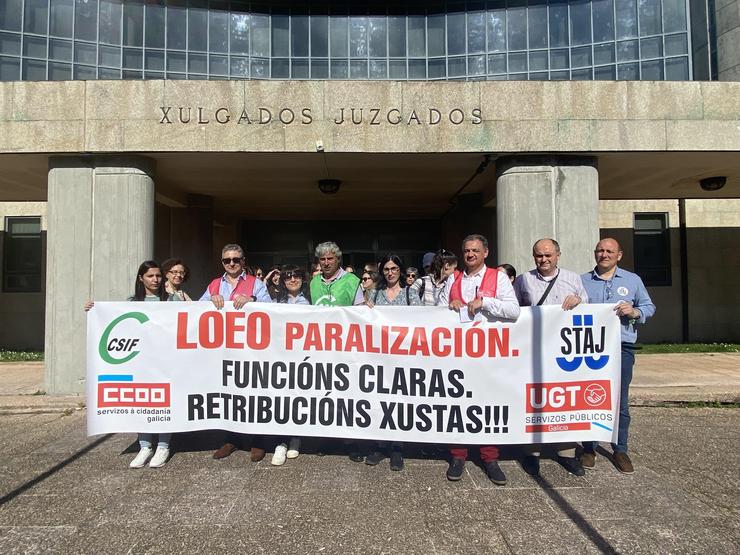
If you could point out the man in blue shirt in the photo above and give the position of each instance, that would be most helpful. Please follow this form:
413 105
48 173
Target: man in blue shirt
608 283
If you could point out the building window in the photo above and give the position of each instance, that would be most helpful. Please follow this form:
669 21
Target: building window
22 255
454 39
652 246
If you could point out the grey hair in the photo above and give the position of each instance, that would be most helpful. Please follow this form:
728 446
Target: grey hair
233 247
553 241
475 237
328 247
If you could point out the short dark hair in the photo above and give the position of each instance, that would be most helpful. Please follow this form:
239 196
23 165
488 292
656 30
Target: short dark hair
475 237
509 269
441 258
282 292
170 263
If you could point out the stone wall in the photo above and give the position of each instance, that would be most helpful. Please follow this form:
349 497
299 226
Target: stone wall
503 117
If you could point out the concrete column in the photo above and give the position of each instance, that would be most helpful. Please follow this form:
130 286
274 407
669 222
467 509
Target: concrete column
100 228
547 196
727 18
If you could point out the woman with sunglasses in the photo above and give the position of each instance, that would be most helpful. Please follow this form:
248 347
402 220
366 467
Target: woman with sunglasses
291 290
411 275
175 273
149 286
444 265
369 283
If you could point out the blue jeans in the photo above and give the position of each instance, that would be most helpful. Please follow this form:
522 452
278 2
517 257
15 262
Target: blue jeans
145 441
628 363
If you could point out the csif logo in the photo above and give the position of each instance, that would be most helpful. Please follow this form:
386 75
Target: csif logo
582 342
115 344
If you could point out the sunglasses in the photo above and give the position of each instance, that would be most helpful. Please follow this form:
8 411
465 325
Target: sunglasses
226 261
291 275
367 279
388 270
410 275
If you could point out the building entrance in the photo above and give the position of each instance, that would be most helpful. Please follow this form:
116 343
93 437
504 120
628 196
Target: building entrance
362 241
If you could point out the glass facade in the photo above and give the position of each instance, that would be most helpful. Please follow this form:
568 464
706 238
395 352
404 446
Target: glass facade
220 39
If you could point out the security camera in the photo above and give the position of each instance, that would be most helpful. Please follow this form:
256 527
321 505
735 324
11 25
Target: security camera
713 183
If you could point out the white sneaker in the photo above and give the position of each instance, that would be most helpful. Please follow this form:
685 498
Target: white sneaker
294 448
141 458
160 457
278 457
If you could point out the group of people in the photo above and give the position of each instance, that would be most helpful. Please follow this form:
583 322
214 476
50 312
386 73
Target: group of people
479 290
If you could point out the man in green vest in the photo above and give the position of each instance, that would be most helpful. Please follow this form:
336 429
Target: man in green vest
334 286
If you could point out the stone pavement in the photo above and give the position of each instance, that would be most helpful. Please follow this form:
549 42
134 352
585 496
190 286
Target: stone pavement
658 379
61 492
686 377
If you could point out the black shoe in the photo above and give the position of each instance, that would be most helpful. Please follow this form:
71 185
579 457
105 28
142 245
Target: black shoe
572 465
531 465
455 471
374 458
396 461
495 474
356 456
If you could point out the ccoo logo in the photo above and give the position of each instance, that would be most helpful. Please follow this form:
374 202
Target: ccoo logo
115 344
582 342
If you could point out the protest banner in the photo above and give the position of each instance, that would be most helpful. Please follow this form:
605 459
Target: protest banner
415 374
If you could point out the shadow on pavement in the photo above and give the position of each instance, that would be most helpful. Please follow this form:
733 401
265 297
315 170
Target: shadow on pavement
54 469
601 543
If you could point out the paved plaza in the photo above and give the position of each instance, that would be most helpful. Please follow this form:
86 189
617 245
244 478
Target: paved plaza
65 493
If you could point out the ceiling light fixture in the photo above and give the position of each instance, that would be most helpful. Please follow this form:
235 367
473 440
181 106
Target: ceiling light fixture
329 186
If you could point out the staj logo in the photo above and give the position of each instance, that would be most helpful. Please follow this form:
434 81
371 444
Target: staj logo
115 344
568 396
118 390
582 342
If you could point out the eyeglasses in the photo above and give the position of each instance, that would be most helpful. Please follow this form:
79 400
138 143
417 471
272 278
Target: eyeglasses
413 276
176 273
226 261
388 270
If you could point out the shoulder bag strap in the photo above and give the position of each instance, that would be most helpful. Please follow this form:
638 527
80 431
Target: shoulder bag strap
547 291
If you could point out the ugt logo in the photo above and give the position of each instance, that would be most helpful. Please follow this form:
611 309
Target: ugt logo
580 345
114 344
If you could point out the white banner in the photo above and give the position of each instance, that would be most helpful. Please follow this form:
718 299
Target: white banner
387 373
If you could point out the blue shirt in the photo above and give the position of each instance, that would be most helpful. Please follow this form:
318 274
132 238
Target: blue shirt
623 286
225 289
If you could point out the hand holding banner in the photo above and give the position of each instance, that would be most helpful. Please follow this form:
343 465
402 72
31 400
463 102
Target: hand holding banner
389 373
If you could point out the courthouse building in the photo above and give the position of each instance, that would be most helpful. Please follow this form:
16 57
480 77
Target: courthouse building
136 129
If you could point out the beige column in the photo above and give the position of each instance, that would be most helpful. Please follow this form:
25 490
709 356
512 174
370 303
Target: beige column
100 228
727 17
547 196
